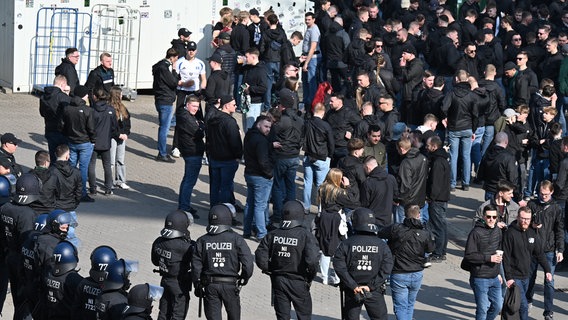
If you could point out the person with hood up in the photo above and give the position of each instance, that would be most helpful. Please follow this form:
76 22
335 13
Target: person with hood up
378 191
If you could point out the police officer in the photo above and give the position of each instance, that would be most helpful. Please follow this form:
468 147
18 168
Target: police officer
61 281
171 252
17 218
362 262
290 256
113 298
218 257
90 288
7 189
58 223
30 283
140 300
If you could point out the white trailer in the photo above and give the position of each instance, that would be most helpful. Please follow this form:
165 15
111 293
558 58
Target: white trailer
35 33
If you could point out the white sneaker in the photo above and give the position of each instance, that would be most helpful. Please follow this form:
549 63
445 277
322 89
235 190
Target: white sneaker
123 186
175 153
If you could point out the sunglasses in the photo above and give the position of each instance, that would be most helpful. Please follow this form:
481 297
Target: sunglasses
519 39
491 217
520 59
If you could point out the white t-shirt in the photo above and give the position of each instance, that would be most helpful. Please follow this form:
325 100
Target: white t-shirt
190 70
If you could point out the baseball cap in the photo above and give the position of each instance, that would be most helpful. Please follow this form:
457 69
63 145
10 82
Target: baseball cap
216 58
510 113
224 36
509 66
10 138
254 12
287 98
409 49
191 46
397 130
184 32
226 99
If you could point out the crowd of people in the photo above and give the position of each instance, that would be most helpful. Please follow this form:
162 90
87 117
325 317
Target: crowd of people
422 98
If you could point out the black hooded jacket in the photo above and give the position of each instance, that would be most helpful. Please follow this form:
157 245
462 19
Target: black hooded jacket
438 185
520 248
51 104
106 125
223 137
551 216
257 154
180 46
271 44
257 79
289 131
218 84
412 177
482 243
460 107
497 164
377 194
64 186
189 134
68 70
165 82
78 122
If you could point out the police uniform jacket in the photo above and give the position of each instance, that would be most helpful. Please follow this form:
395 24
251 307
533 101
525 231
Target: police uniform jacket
482 243
408 241
221 255
15 221
290 252
60 292
173 257
84 306
363 259
30 276
137 316
43 251
111 304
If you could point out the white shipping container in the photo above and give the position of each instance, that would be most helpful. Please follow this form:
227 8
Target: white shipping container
35 33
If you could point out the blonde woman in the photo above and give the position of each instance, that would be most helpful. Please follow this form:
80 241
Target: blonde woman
334 194
118 146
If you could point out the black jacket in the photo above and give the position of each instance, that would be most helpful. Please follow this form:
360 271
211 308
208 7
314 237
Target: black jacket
271 44
482 243
68 70
497 164
387 120
257 78
300 260
165 82
408 242
240 39
173 257
78 122
229 57
64 186
223 137
15 168
106 125
438 185
431 102
289 131
189 134
496 101
377 194
520 247
51 104
180 46
334 46
100 78
15 220
411 77
561 183
460 107
257 154
447 57
319 142
412 177
551 216
218 84
341 121
353 170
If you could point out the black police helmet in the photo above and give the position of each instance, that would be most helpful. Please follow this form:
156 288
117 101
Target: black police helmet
65 258
176 225
220 219
293 210
40 223
28 189
117 274
56 219
140 298
364 220
7 187
101 258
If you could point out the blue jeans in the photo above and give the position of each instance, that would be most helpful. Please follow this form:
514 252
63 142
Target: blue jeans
538 172
258 194
221 180
438 225
548 285
405 287
251 115
273 69
81 153
165 112
424 215
523 285
236 88
487 139
460 143
319 169
284 188
476 148
488 297
190 175
54 139
398 213
310 80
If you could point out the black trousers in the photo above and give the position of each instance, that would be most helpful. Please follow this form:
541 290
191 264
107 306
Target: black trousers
375 306
174 303
296 292
219 294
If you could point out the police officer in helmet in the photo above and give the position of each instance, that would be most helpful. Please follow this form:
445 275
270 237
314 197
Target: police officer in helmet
113 298
140 300
61 282
90 288
57 226
362 263
219 256
289 255
171 252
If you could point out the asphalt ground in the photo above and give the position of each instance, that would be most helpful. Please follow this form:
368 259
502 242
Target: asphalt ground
130 220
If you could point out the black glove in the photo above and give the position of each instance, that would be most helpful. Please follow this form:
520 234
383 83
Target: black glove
199 290
243 282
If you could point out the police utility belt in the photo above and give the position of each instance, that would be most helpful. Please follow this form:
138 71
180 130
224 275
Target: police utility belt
217 279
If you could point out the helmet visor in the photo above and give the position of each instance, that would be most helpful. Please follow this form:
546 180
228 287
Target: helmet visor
131 266
155 292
